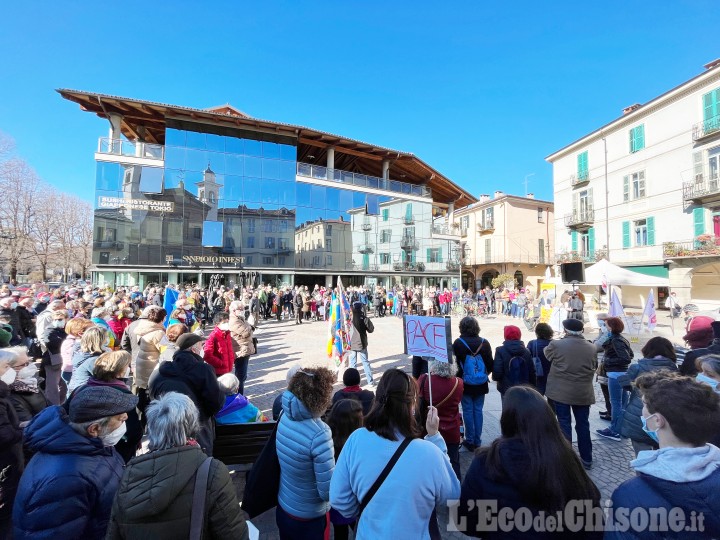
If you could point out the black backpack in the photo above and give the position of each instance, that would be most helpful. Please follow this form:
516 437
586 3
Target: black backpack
518 371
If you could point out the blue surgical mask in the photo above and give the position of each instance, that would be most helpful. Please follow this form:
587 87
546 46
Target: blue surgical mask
652 434
702 378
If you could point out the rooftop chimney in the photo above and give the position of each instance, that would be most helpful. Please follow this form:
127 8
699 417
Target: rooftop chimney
530 195
631 108
484 197
714 63
498 194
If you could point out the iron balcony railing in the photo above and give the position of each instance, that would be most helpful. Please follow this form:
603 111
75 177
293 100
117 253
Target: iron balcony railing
706 127
318 172
488 226
366 226
452 265
704 245
119 147
366 248
589 256
579 218
409 266
581 178
705 183
409 219
445 229
409 242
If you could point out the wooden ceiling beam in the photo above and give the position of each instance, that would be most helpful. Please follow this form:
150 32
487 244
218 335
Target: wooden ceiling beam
341 149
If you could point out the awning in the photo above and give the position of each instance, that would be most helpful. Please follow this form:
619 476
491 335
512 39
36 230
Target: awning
604 271
656 270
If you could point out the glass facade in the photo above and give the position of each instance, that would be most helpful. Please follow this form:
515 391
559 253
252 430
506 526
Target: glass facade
227 203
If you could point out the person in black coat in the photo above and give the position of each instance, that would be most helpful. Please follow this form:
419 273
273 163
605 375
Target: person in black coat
8 307
25 394
512 347
352 390
544 334
11 454
473 399
189 375
52 338
27 315
688 366
359 341
531 466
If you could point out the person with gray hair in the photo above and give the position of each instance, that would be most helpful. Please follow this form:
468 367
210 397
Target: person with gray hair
277 404
11 434
447 393
69 485
237 408
155 498
45 318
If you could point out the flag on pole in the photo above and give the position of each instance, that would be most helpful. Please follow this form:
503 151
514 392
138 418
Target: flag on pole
171 296
604 283
339 325
650 311
616 309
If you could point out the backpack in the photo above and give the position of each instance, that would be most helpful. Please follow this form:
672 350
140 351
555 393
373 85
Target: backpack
539 371
517 371
474 366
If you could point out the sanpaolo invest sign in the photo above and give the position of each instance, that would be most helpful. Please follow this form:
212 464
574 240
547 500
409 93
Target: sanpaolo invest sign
199 259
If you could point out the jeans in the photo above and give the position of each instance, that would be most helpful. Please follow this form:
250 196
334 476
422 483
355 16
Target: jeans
365 362
241 367
582 426
292 528
472 407
618 399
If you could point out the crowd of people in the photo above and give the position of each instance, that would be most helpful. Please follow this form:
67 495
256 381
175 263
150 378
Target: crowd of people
117 368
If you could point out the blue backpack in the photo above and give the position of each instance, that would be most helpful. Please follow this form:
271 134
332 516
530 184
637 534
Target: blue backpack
518 371
474 366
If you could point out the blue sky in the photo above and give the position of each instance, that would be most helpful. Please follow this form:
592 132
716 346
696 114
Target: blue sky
482 91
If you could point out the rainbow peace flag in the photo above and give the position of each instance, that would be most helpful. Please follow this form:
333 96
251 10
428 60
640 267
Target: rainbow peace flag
339 325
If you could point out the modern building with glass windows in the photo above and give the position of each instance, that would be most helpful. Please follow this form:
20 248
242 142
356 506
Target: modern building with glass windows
190 195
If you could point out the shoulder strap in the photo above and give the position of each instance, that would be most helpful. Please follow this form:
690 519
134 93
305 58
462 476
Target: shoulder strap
437 405
197 516
383 475
482 341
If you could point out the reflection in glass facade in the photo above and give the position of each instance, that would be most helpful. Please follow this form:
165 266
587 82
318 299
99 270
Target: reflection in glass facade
231 205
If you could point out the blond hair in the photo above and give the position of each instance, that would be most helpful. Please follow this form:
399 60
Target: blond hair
75 327
110 365
93 340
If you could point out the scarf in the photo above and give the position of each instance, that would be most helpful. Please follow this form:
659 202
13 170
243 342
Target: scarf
25 385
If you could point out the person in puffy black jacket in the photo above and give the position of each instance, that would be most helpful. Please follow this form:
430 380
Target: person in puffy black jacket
52 338
531 466
11 455
155 498
544 334
68 487
189 375
512 347
616 360
352 390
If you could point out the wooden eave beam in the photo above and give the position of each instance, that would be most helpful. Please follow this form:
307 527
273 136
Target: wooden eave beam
341 149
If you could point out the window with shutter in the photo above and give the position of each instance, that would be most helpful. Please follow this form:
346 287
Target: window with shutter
488 251
574 241
699 221
650 231
626 234
637 138
582 166
591 241
626 189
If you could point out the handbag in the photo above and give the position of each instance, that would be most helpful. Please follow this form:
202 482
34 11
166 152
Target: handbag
197 516
262 482
539 371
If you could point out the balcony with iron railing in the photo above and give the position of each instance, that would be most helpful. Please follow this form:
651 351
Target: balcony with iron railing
409 242
318 172
138 149
443 229
704 245
487 227
408 219
408 266
366 248
579 179
366 226
705 187
580 219
708 127
588 256
452 265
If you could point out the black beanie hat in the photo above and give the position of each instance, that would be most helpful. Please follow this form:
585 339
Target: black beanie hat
351 377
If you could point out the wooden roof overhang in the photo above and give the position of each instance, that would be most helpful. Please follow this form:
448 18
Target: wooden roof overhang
146 121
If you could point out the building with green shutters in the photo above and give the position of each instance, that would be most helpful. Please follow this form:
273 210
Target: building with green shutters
644 191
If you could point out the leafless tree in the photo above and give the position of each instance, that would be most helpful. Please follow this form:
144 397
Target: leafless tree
43 238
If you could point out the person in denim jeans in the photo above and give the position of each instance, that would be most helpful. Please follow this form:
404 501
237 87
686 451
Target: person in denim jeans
473 398
616 360
573 362
359 342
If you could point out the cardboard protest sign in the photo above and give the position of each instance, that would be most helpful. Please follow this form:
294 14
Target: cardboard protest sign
428 336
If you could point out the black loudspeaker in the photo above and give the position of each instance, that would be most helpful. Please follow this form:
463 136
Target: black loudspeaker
573 272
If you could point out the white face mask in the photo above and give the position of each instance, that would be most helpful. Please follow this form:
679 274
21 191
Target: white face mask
702 378
9 376
199 351
27 373
112 438
223 326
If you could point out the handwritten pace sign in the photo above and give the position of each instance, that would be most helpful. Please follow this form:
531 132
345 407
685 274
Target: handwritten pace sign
428 336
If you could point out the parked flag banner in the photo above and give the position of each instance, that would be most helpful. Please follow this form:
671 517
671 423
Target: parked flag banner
616 308
428 337
171 296
650 311
339 325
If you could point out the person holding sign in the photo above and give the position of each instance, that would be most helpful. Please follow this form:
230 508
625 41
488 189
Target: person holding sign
475 364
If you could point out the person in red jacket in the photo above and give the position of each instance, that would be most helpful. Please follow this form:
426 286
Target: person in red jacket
219 346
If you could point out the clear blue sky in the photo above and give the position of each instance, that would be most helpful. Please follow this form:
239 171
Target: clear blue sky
482 91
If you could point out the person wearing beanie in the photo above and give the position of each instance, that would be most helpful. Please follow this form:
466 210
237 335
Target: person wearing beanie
573 361
689 366
513 364
69 485
352 390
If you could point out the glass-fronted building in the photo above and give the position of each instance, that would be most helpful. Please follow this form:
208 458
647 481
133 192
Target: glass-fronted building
215 196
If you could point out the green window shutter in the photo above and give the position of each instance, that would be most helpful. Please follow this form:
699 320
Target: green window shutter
651 230
591 239
626 234
582 163
574 240
412 257
640 137
439 254
386 214
711 103
408 211
428 254
699 221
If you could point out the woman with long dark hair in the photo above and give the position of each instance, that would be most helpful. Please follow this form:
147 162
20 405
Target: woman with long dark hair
532 465
616 360
421 478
